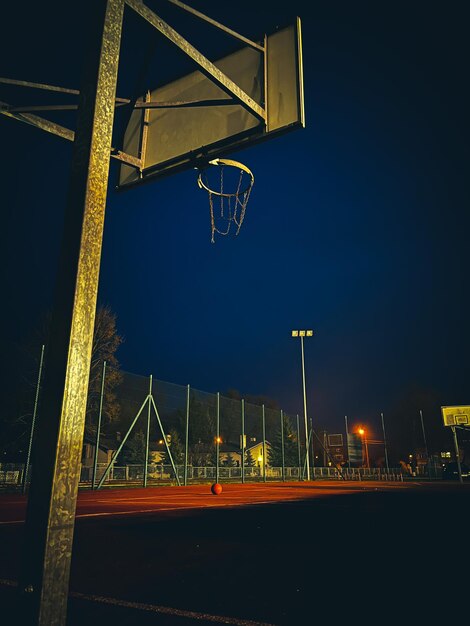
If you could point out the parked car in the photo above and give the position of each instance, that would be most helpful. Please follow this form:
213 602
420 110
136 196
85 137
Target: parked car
450 471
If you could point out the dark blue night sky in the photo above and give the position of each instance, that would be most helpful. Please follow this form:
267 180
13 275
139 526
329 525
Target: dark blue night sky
357 226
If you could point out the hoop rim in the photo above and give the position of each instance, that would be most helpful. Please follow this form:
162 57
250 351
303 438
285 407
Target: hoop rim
229 163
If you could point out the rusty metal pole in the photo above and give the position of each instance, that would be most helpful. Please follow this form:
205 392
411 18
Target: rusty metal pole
47 549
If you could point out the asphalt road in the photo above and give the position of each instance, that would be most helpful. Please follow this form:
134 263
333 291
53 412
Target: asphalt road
283 554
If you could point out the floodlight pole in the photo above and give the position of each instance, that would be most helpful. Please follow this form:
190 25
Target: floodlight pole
48 533
301 334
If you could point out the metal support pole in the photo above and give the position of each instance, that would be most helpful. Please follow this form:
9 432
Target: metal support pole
217 440
347 440
282 448
298 449
186 441
170 456
121 445
457 455
425 442
33 421
98 427
305 408
385 443
48 532
324 448
313 451
243 441
308 444
147 438
264 445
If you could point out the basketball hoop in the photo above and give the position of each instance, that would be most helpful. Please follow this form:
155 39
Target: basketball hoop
232 204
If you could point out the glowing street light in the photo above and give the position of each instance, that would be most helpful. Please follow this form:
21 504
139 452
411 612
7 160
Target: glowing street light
302 334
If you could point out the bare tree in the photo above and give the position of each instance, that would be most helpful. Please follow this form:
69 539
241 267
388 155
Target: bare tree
15 424
106 342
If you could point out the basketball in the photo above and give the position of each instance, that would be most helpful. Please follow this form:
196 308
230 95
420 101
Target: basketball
216 489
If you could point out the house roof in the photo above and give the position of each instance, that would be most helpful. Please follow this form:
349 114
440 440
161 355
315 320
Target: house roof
256 445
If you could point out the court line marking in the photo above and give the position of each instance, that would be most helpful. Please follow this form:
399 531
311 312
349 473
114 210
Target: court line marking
165 610
169 508
158 498
155 510
155 608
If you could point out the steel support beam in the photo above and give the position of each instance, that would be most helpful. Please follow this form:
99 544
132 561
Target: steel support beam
220 26
48 533
208 68
64 133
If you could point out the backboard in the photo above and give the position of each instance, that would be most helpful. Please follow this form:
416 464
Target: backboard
335 441
192 120
456 415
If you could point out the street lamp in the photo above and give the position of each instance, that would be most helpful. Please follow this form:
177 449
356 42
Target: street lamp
302 334
362 432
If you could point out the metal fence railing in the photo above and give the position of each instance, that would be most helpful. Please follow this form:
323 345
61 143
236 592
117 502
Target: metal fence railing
11 474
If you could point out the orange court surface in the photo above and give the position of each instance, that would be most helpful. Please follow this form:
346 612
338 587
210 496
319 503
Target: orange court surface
269 554
152 500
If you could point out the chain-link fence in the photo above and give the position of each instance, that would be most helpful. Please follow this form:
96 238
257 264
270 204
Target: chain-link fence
167 432
144 431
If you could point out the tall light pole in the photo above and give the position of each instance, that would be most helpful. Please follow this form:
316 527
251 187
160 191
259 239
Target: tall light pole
302 334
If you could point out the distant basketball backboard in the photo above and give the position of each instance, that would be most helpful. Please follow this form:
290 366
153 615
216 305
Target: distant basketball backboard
456 415
335 441
196 118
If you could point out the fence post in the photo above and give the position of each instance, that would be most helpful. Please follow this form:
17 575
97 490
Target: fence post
217 440
98 427
243 441
186 440
313 453
298 449
146 459
385 442
264 446
33 421
282 448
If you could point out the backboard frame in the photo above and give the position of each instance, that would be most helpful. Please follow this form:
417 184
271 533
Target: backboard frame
456 416
275 107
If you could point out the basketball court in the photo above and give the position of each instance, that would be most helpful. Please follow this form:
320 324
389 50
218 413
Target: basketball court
155 500
256 554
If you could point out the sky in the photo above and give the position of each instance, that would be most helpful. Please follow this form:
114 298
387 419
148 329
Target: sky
356 227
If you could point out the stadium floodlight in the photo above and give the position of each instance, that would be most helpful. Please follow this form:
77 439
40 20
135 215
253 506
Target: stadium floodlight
302 334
